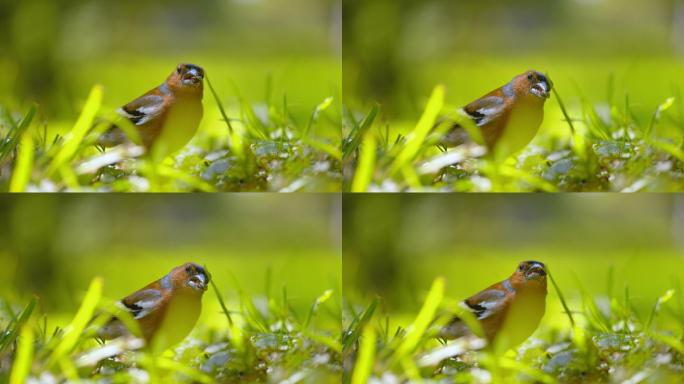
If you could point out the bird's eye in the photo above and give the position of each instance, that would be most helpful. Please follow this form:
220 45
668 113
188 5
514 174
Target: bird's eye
178 69
188 269
529 76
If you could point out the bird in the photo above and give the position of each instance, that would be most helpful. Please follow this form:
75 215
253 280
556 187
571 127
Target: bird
166 117
508 311
166 310
508 117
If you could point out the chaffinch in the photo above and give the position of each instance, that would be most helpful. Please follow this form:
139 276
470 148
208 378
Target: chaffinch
166 310
167 116
508 311
509 116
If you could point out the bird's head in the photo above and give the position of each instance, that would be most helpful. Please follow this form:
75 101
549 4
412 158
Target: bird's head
191 275
533 83
529 273
187 77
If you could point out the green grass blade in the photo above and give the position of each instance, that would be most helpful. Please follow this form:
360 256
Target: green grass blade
78 324
425 124
314 307
330 149
317 111
222 303
12 331
561 297
656 307
353 331
8 145
564 111
669 340
252 315
24 165
363 366
23 359
672 149
219 105
83 124
364 171
417 329
659 111
353 140
253 124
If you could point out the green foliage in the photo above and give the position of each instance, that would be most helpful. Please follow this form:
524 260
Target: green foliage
256 147
610 342
16 323
15 131
594 147
264 341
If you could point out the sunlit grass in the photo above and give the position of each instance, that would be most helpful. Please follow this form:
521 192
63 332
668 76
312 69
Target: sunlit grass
611 342
593 138
263 339
247 141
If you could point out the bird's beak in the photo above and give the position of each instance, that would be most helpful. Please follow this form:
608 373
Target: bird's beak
199 282
192 77
535 272
541 89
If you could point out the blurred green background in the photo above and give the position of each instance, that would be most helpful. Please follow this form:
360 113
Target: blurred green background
394 246
53 246
396 51
53 52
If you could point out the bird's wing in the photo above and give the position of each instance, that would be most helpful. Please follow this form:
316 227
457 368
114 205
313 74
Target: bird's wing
143 109
486 303
141 303
485 109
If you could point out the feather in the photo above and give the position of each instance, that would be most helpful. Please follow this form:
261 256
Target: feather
484 110
143 109
141 303
486 303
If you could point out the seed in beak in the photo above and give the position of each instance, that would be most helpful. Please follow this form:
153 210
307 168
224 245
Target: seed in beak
540 89
199 282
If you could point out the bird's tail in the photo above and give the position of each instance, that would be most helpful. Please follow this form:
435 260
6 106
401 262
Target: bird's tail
454 329
455 134
112 136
